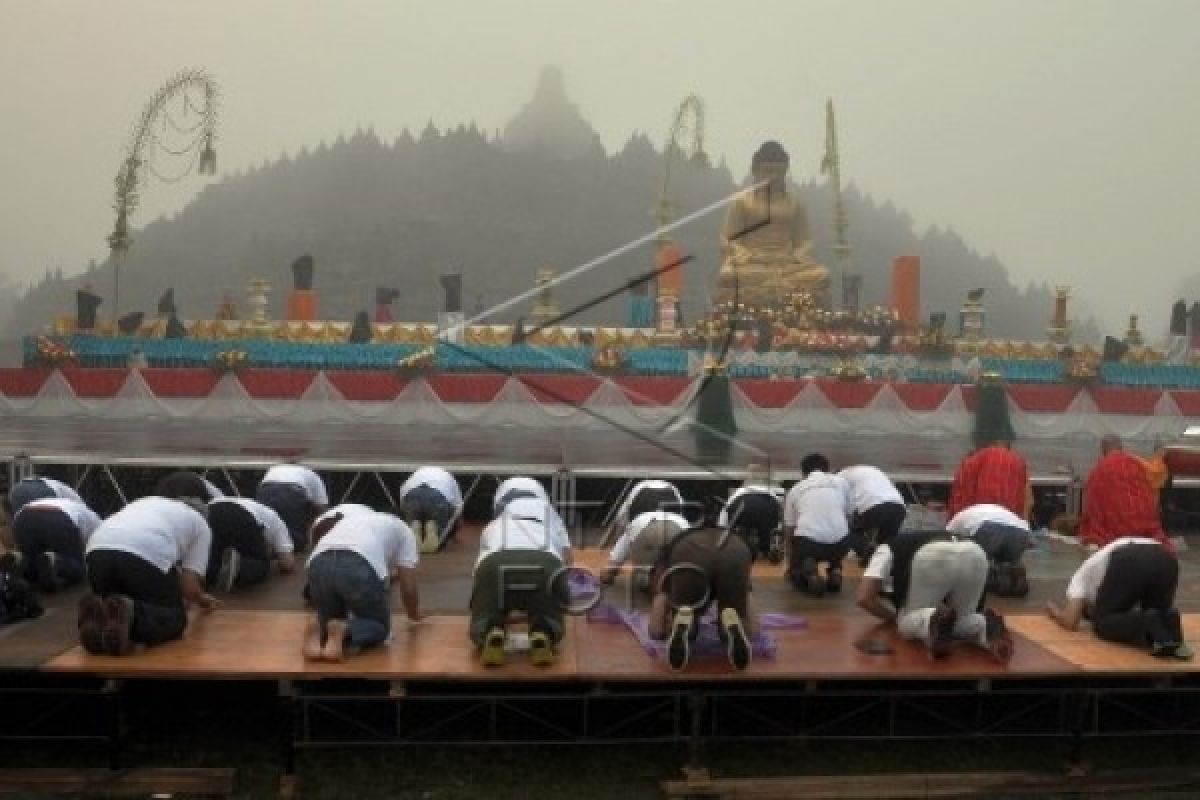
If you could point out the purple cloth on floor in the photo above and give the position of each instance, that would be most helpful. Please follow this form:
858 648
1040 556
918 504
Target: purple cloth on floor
708 642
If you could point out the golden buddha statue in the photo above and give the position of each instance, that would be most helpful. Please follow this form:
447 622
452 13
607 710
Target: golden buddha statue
766 243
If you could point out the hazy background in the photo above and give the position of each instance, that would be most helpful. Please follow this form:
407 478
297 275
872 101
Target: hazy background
1059 135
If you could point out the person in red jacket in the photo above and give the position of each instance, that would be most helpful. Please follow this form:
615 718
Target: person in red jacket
993 474
1118 499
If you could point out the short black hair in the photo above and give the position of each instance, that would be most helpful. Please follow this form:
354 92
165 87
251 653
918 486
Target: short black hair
814 462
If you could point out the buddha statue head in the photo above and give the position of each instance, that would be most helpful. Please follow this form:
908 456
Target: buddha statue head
770 163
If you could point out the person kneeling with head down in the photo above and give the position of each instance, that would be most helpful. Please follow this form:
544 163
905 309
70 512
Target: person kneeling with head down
247 537
931 584
146 563
1004 537
754 511
523 555
699 567
1127 589
358 552
433 502
50 534
816 516
298 495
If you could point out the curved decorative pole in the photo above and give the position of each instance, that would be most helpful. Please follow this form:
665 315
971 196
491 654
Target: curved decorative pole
688 120
139 157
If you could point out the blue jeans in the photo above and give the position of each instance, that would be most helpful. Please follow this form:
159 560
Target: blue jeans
1004 544
342 584
426 503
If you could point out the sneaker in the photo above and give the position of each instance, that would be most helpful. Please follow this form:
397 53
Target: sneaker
92 618
430 540
492 652
999 640
679 644
833 581
231 564
775 552
45 571
118 612
941 631
736 643
541 651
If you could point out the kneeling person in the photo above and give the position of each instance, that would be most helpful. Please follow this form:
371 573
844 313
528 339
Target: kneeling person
50 534
1004 537
247 537
523 553
432 500
1127 589
349 575
700 567
816 517
931 583
643 541
146 563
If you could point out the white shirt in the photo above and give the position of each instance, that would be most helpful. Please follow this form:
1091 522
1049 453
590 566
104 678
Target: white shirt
818 507
519 483
435 478
305 478
520 527
880 566
160 530
1087 579
86 520
274 528
382 539
723 517
869 487
621 519
971 518
624 545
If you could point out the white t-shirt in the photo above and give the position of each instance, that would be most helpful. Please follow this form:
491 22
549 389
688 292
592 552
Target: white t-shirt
519 483
274 528
1087 579
818 507
382 539
86 520
305 478
435 478
869 487
723 517
160 530
970 518
624 545
621 519
522 527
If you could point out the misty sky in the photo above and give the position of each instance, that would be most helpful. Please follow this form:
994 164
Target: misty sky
1060 135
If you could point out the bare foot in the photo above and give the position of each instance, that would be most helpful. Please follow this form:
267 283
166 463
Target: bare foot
312 640
334 640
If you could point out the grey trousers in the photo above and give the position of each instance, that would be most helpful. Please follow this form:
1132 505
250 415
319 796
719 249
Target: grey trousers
946 572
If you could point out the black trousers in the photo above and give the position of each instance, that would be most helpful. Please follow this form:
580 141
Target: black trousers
532 581
1135 601
807 550
39 530
293 507
884 520
234 526
708 567
159 614
755 516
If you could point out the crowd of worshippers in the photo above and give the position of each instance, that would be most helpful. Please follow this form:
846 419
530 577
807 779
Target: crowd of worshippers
187 543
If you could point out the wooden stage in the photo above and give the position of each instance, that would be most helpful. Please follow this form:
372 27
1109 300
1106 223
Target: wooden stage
426 686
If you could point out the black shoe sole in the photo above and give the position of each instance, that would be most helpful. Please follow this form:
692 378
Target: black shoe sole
942 631
679 645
